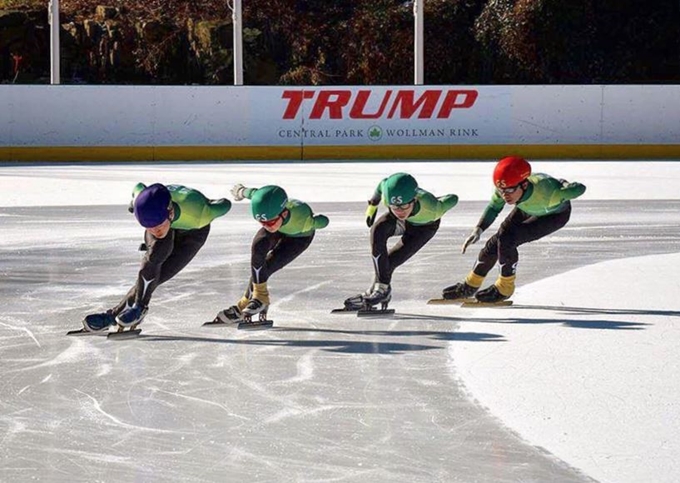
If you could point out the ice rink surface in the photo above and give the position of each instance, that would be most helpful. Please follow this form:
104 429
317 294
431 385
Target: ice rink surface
317 398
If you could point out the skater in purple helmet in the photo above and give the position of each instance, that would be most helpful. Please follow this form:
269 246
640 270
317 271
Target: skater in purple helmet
177 222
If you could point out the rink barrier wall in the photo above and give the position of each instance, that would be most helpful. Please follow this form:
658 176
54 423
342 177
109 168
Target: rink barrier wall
335 153
201 123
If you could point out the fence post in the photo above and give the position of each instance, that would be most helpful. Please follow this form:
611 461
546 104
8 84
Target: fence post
418 42
53 18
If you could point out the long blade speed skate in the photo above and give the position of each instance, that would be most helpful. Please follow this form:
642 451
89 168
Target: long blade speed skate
260 323
259 308
345 310
476 303
373 311
449 301
86 332
125 333
228 317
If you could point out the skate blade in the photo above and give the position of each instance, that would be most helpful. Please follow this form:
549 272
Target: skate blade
124 334
255 324
374 312
449 301
79 332
476 303
344 310
219 323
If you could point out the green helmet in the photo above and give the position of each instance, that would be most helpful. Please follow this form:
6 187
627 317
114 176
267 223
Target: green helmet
268 202
399 189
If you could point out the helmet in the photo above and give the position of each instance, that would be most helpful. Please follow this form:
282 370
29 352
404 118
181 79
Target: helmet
400 188
268 202
511 171
152 205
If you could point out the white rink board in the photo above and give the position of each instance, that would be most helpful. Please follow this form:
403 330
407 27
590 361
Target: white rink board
451 118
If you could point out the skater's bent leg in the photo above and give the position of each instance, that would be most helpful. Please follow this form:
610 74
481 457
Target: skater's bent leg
384 228
287 250
263 242
518 229
187 245
158 251
414 238
284 252
486 259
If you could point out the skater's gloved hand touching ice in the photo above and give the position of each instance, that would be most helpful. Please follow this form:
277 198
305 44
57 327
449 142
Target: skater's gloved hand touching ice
473 238
238 192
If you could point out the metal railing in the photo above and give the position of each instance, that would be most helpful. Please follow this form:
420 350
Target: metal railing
236 8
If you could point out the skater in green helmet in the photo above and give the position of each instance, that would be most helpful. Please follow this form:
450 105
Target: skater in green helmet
413 215
177 223
287 228
541 207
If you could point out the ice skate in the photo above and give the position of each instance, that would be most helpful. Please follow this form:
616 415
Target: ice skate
128 321
489 297
95 324
228 316
460 290
380 294
352 304
455 294
259 308
131 317
99 322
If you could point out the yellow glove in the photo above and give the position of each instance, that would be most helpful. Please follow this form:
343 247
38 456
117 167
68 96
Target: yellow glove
371 211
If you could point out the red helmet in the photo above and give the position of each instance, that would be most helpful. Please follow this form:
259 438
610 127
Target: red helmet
511 171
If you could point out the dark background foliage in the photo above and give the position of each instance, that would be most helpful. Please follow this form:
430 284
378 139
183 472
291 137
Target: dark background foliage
322 42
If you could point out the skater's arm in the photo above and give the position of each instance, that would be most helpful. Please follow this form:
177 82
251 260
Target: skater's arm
565 191
491 211
445 203
488 217
373 202
139 187
570 191
320 221
210 210
240 192
219 207
377 194
249 192
371 211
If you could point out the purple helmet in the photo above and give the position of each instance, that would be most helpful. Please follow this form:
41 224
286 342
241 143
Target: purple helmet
152 205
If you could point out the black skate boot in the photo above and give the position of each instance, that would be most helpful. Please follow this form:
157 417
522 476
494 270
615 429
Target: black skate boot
459 291
355 303
490 295
352 304
99 322
381 294
131 317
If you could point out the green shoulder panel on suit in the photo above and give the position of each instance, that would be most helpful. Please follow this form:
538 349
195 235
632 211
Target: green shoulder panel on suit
301 220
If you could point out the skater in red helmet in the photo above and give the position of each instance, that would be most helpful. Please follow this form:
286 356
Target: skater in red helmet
541 207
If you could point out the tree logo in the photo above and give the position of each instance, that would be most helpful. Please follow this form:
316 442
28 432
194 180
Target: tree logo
375 133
